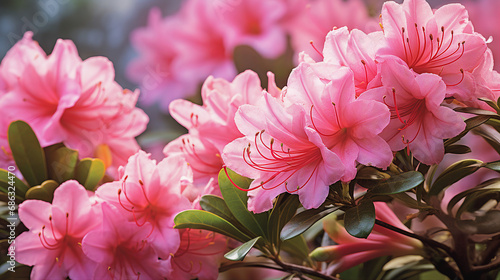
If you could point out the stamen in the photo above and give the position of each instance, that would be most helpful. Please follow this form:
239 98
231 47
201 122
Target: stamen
314 47
463 75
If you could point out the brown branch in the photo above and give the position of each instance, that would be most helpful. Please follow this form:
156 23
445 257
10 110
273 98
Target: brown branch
303 270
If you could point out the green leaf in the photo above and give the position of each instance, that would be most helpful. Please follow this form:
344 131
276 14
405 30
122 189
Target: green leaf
297 247
476 111
217 206
469 125
457 149
283 211
89 172
10 182
61 162
410 201
199 219
236 201
27 153
454 173
239 253
487 186
491 103
303 221
495 165
398 183
359 220
474 201
43 192
371 173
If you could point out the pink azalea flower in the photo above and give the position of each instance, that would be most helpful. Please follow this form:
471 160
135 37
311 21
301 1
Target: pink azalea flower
441 42
254 23
317 18
282 154
357 51
53 243
155 69
418 121
65 99
349 127
352 251
487 83
204 160
214 121
199 255
149 195
121 250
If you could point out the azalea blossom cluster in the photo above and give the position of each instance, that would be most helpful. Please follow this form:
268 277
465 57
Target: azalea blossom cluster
65 99
205 34
370 95
358 96
123 231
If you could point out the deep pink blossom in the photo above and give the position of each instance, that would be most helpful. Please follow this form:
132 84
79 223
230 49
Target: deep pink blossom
418 121
149 195
441 42
351 251
349 127
121 249
53 243
282 154
65 99
199 255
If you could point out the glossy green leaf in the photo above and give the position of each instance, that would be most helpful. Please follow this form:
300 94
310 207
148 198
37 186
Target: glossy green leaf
470 124
303 221
410 201
491 103
27 153
217 206
89 172
454 173
236 201
199 219
9 182
476 111
474 201
283 211
43 192
359 220
239 253
457 149
61 162
398 183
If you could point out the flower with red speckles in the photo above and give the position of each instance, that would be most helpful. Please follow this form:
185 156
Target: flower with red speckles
53 244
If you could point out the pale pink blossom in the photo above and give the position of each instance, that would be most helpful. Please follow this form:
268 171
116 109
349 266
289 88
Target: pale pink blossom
121 249
318 17
155 69
53 243
441 42
254 23
487 82
349 127
149 195
418 121
199 255
351 251
484 15
282 154
205 162
65 99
